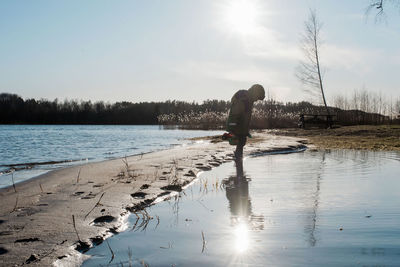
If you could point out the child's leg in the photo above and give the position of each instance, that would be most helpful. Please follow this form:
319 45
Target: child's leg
239 146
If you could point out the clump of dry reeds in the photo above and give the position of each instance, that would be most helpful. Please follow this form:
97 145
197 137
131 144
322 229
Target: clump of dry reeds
195 120
128 172
144 220
173 178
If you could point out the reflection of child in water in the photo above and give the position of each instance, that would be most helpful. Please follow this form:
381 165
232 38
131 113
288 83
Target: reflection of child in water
237 193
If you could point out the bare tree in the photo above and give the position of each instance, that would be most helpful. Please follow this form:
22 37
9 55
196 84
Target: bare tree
339 102
309 69
380 5
397 107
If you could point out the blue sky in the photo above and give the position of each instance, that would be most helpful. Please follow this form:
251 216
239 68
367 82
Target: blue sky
154 50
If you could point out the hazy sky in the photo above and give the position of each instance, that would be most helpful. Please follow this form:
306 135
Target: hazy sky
154 50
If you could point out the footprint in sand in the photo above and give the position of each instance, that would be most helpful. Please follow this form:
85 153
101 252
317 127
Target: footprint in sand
3 251
26 211
139 195
163 194
82 246
89 196
172 187
204 168
145 186
26 240
3 233
97 240
102 220
190 173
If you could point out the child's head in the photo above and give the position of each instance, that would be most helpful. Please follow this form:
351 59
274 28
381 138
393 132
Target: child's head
256 92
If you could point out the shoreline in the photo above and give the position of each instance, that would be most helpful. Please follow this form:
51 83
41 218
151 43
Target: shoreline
52 218
79 163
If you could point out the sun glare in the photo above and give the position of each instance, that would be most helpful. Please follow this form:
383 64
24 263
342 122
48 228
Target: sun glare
242 237
241 16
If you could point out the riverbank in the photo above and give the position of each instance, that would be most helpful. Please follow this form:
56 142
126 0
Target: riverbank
367 137
53 218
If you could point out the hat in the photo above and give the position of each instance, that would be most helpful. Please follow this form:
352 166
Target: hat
257 92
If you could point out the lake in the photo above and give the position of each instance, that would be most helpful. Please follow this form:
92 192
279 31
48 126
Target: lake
40 148
314 208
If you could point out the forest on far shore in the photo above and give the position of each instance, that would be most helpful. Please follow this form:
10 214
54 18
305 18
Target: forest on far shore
210 114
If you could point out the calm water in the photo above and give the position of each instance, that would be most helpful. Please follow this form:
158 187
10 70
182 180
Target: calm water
338 208
26 144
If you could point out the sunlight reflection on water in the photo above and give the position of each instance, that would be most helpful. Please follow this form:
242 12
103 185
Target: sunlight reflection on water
242 237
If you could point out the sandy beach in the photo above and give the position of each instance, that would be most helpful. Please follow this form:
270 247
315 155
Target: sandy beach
51 219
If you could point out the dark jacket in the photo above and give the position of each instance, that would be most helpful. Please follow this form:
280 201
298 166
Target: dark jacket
240 113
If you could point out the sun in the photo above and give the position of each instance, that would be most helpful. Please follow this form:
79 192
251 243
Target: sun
241 16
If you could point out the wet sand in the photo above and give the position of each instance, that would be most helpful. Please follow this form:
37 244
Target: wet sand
52 218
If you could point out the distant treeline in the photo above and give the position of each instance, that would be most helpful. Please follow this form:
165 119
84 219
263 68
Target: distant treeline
15 110
210 114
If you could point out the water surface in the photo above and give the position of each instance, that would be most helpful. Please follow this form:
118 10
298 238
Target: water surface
332 208
61 145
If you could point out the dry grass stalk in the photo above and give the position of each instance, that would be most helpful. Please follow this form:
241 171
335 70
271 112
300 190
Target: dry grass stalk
135 224
199 200
76 231
97 204
126 163
145 219
204 242
12 178
174 173
147 215
136 214
130 257
16 204
169 246
158 222
112 252
77 177
155 174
